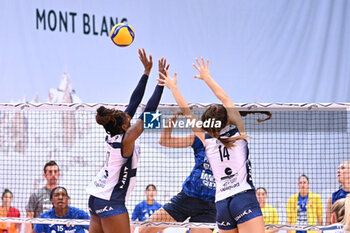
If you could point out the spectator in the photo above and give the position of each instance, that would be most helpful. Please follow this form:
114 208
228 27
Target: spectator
270 213
39 200
6 210
146 208
61 210
343 175
304 207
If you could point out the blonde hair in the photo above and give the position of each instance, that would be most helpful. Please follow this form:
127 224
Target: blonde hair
338 208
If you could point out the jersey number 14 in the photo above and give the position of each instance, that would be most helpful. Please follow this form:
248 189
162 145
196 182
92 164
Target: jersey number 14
223 153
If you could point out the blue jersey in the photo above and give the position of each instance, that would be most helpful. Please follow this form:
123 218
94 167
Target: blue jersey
339 195
73 213
143 211
200 183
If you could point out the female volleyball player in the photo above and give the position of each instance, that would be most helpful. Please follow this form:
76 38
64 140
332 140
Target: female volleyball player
227 151
61 210
112 185
343 175
196 199
340 217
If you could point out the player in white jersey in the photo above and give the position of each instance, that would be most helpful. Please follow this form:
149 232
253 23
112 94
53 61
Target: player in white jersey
340 217
226 148
111 187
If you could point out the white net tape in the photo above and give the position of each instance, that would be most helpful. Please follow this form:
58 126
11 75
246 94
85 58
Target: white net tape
151 224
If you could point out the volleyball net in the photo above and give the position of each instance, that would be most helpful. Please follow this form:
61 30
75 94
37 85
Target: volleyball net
287 140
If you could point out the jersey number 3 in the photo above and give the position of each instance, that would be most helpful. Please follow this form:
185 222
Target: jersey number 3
223 153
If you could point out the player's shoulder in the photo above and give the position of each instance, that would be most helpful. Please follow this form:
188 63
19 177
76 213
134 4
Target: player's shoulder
314 195
197 143
76 212
14 211
48 214
157 204
40 192
268 206
293 197
141 204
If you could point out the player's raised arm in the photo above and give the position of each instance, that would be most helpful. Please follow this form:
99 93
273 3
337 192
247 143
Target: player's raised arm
171 83
168 140
139 91
135 130
233 114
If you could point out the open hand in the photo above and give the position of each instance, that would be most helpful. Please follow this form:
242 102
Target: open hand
147 62
167 81
162 66
203 69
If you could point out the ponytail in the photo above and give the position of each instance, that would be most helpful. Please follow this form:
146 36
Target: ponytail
111 120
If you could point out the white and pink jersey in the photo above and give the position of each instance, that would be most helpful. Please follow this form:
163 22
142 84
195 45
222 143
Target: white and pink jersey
117 178
230 166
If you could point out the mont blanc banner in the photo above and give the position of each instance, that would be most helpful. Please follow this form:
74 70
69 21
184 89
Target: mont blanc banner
260 51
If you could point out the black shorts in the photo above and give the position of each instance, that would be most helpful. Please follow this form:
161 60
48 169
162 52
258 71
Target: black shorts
182 206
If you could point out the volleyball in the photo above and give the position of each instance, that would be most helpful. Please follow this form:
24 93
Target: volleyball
122 34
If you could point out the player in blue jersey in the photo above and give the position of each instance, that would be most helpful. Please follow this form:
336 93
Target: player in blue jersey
343 175
196 199
146 208
226 148
112 185
61 210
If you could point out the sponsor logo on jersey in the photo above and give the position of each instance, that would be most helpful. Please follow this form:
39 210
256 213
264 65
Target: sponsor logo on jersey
105 209
228 172
125 176
223 223
242 214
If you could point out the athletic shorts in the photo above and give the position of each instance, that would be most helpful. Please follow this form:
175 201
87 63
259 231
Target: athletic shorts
237 209
182 207
104 208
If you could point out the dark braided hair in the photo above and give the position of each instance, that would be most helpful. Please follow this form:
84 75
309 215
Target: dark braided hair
111 119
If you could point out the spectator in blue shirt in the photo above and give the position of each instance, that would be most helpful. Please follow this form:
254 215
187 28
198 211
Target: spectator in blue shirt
146 208
61 210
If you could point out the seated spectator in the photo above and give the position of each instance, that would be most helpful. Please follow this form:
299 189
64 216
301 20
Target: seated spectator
343 175
305 207
270 213
6 210
39 200
61 210
146 208
340 209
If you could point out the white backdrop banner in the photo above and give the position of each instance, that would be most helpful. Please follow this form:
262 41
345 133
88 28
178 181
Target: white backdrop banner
260 51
